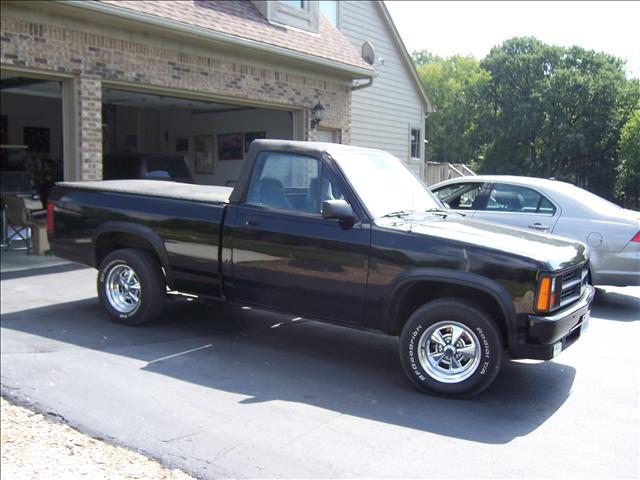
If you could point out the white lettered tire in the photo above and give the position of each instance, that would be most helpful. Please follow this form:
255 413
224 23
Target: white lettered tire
450 347
131 286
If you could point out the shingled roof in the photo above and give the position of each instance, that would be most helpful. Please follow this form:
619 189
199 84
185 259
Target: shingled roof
240 18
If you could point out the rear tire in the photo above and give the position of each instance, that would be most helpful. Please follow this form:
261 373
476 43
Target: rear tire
450 347
131 286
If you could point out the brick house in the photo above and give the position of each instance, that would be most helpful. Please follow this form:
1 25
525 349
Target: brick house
87 80
84 83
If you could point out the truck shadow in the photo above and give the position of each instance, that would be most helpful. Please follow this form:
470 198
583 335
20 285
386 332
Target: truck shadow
265 357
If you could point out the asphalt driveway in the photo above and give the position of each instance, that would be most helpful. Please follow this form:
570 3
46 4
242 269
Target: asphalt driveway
232 392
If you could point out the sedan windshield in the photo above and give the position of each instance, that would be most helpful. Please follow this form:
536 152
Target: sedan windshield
385 184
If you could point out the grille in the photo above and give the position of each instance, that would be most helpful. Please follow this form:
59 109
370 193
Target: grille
572 284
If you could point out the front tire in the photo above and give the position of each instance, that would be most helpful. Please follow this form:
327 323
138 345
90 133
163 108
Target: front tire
450 347
131 286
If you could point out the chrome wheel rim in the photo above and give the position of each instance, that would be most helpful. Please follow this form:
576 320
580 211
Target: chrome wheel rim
449 352
123 288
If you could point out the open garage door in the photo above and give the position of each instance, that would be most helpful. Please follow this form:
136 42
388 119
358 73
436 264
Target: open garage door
147 135
31 134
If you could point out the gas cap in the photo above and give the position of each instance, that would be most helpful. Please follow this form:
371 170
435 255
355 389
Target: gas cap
594 239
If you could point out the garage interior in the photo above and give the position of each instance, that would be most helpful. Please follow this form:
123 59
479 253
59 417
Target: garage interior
31 150
212 137
31 157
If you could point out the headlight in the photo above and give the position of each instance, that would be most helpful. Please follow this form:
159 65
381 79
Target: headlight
547 298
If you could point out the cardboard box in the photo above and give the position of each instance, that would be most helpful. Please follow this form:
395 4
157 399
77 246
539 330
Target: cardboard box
39 240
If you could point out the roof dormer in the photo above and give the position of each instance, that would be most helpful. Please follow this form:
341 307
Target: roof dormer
300 14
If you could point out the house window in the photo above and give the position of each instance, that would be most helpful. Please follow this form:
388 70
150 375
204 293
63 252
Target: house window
415 143
329 8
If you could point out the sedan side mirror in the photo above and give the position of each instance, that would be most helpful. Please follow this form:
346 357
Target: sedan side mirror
339 210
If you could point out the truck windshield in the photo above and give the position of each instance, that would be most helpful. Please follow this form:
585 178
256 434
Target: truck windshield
384 183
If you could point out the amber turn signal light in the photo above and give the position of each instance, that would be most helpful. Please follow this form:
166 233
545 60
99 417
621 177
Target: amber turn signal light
548 297
544 294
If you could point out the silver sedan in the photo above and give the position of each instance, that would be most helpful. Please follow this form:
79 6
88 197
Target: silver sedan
611 233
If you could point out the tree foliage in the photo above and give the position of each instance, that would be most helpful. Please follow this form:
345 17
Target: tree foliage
454 85
529 108
556 112
628 181
421 57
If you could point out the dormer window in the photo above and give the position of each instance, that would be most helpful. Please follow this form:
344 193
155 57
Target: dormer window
302 14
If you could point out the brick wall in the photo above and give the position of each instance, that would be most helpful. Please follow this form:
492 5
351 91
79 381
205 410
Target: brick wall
90 127
93 57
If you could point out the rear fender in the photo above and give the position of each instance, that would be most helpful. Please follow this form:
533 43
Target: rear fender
145 233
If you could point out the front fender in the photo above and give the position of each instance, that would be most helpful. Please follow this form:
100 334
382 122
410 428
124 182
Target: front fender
451 277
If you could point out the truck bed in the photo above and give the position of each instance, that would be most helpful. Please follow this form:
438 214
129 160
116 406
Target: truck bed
158 188
180 220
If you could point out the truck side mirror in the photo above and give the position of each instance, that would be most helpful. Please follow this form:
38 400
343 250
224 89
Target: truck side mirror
339 210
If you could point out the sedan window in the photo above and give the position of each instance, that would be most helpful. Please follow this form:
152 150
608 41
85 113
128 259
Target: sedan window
462 196
513 198
546 207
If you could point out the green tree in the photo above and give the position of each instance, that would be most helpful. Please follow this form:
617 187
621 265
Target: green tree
556 111
628 180
454 85
420 57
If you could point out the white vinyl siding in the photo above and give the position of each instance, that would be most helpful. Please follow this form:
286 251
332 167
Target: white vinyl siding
384 114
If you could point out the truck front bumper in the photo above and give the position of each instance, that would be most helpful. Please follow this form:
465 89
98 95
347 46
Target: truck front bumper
547 336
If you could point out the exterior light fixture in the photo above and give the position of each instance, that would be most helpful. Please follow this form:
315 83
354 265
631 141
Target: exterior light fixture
317 115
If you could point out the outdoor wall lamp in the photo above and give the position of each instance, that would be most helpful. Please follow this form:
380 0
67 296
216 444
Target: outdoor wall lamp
317 115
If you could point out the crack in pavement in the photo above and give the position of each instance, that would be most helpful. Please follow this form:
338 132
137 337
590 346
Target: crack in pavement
181 437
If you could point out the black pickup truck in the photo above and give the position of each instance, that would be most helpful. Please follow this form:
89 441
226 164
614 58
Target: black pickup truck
338 234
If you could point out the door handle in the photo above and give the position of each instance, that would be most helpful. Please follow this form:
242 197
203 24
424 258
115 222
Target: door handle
251 223
539 226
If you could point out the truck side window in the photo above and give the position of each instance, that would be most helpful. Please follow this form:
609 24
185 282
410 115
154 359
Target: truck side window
284 181
327 189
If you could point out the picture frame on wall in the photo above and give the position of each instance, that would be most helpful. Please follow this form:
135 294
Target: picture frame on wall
230 146
250 137
203 152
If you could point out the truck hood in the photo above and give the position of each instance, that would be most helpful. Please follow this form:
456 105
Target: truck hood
554 252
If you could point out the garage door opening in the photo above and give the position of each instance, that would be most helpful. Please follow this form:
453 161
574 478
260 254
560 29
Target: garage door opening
31 149
158 136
